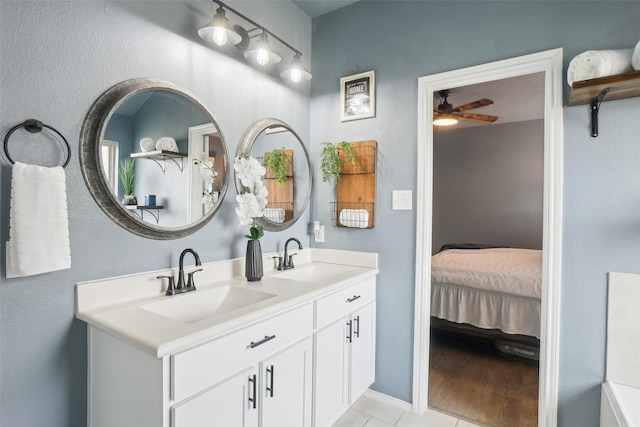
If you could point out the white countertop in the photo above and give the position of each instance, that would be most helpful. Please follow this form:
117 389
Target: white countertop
114 305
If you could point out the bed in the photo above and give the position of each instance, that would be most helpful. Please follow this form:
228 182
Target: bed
491 292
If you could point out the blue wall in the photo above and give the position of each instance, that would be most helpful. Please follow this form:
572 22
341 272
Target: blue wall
404 40
56 58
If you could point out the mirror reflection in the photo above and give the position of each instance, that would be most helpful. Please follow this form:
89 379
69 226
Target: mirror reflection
154 159
288 177
174 147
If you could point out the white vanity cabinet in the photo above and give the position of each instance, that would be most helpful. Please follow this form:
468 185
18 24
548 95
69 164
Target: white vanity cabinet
257 375
278 393
297 358
344 349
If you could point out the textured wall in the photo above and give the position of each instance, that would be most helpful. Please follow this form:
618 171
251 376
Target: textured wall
56 58
403 40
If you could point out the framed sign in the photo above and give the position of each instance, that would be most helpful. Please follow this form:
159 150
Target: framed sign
358 96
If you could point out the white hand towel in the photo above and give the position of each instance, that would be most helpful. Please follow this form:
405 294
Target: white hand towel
354 218
38 221
635 57
599 63
274 214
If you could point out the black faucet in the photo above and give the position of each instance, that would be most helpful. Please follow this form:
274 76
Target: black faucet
287 262
190 285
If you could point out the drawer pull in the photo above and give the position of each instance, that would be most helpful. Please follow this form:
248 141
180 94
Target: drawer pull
262 341
356 327
270 371
254 384
353 298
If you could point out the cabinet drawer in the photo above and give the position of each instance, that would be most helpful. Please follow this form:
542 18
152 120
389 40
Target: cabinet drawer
344 301
198 368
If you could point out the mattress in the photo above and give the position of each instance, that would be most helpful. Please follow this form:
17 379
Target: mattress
497 288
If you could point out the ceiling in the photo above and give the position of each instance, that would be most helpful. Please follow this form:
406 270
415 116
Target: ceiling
514 100
315 8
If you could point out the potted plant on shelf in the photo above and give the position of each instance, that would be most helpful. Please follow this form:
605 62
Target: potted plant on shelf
277 162
127 176
252 199
331 160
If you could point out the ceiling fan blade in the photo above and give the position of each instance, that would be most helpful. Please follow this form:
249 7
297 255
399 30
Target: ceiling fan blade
470 106
481 117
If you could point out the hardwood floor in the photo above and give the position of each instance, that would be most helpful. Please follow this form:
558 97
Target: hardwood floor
468 379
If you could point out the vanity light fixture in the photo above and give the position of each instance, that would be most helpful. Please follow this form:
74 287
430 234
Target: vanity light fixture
220 31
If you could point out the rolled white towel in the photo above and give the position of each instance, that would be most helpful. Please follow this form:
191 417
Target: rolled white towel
599 63
635 57
166 143
354 218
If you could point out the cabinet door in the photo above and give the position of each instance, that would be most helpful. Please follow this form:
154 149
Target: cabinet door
232 403
363 349
286 387
331 393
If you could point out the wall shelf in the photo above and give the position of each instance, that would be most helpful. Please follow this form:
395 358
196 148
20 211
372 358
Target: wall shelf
161 157
602 89
153 210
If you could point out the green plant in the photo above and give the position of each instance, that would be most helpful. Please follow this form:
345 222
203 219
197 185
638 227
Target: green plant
256 232
277 162
331 161
127 176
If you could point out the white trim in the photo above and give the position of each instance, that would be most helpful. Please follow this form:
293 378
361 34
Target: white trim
384 398
196 146
549 62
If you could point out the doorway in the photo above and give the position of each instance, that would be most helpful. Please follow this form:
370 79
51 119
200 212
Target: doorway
549 63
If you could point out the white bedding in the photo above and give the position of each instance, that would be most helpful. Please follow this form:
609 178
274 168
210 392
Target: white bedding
488 288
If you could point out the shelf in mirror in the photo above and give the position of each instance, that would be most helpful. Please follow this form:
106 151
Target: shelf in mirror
159 156
143 208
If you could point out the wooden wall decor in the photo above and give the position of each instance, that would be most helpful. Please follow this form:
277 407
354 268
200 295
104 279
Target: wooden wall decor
356 188
281 194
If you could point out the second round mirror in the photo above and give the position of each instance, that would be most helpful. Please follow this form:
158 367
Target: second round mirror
288 179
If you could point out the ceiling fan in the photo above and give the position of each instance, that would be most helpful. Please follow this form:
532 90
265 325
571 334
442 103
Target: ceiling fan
446 114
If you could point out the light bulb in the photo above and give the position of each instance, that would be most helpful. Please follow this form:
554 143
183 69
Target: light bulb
296 75
263 56
219 36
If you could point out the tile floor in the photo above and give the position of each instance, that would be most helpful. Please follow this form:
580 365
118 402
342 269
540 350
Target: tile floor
367 412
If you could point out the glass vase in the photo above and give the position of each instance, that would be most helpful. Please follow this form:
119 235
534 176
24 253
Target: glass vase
253 261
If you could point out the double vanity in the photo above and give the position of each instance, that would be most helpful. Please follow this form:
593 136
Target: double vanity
294 349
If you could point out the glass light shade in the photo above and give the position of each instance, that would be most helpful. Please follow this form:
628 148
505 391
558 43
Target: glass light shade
261 53
445 121
219 30
296 71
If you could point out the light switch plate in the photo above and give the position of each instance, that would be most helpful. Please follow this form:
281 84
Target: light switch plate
402 200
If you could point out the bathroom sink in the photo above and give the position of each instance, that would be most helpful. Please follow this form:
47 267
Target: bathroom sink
201 304
314 273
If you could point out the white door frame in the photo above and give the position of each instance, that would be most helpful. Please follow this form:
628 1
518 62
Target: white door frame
197 145
549 62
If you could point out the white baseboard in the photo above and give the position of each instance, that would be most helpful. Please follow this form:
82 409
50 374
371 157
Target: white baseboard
376 395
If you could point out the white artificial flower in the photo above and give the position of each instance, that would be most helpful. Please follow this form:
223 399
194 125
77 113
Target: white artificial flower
249 171
253 197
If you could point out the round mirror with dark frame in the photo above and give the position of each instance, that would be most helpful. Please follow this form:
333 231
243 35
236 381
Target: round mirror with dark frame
288 179
154 159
